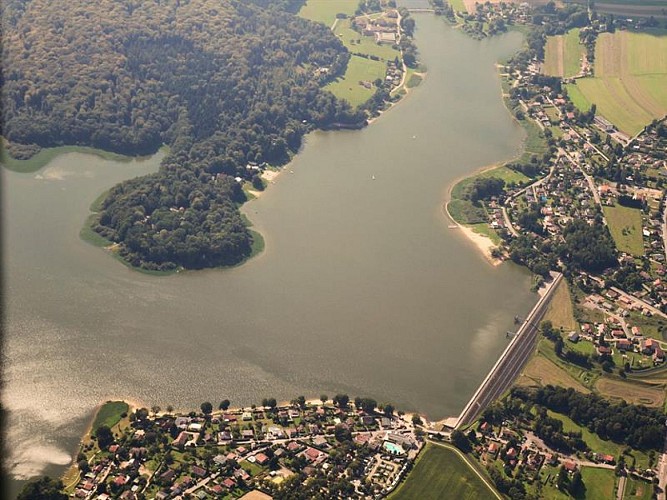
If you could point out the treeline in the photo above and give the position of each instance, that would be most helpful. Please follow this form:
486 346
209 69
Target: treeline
639 427
483 188
224 83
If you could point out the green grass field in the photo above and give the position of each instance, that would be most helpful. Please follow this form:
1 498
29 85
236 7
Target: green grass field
637 490
109 414
600 483
563 55
441 473
358 69
625 225
630 79
324 11
458 5
535 144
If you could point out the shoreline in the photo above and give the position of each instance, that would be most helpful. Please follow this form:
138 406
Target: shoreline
482 243
408 90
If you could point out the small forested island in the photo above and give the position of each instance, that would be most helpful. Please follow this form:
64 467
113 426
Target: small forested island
230 86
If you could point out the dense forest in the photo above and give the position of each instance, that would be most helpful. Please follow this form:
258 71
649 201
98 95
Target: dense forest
223 82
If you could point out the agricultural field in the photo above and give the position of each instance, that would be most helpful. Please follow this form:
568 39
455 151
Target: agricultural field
625 225
629 82
441 473
324 11
358 69
563 54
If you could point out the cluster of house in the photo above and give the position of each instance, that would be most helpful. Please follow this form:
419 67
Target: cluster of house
610 335
249 452
383 28
568 189
520 450
488 18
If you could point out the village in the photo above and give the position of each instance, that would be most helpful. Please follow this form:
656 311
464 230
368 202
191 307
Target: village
252 453
589 174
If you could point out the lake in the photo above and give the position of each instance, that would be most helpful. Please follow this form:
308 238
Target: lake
362 287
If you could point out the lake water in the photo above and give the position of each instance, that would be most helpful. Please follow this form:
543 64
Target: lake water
362 288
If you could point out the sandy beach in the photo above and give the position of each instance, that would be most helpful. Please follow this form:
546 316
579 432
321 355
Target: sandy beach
484 244
481 242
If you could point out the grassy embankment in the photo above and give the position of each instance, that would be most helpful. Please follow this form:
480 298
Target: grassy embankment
359 69
625 225
113 414
563 54
441 472
629 82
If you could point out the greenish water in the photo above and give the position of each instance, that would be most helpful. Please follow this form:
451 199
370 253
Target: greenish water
361 286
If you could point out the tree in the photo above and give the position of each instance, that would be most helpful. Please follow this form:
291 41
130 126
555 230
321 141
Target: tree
576 486
460 441
155 409
43 488
141 414
83 466
416 419
388 410
341 400
170 409
206 408
342 433
301 402
324 398
368 405
224 405
104 436
561 480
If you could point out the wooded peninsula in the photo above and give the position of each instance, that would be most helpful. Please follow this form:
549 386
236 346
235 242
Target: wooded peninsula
228 85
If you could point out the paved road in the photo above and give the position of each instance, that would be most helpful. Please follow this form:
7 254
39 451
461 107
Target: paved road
662 472
621 488
510 363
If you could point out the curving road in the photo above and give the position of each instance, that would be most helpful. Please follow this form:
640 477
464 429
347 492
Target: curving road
511 361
